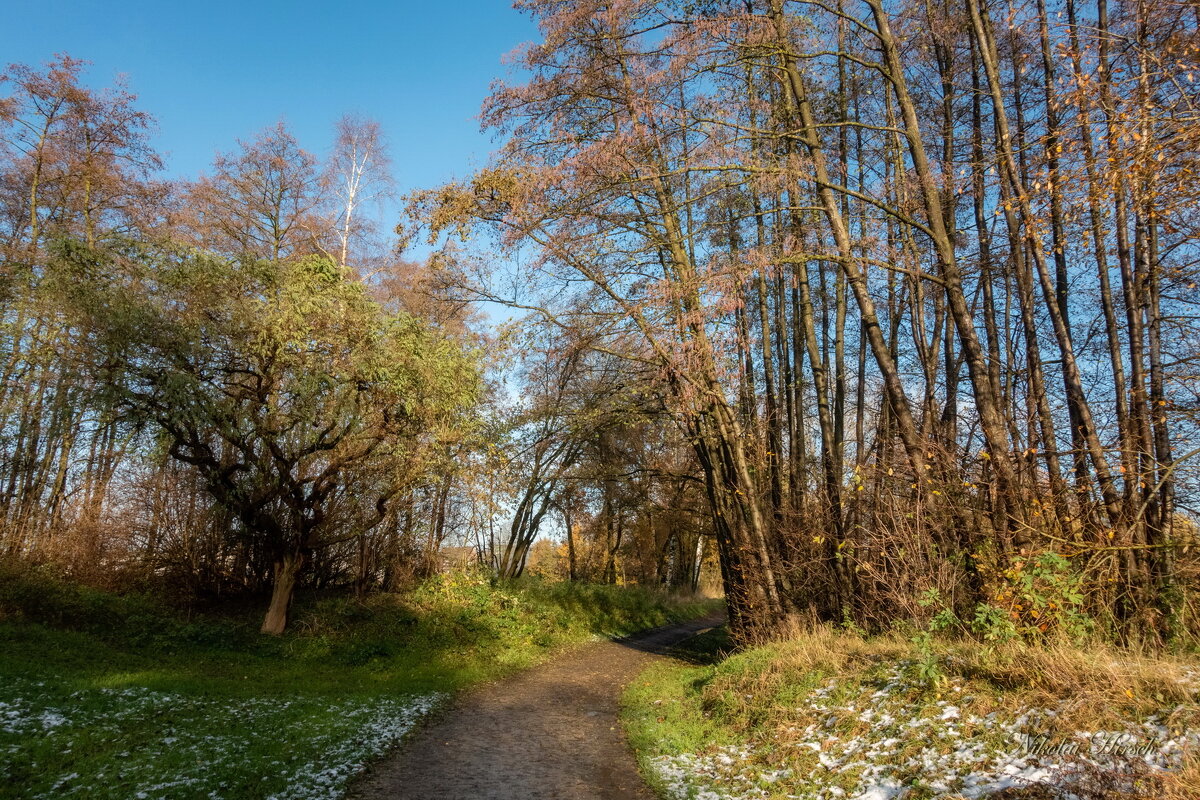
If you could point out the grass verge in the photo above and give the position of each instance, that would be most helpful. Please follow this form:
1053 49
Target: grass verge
834 715
103 696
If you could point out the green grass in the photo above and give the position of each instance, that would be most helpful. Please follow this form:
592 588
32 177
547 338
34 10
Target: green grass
833 715
103 696
659 709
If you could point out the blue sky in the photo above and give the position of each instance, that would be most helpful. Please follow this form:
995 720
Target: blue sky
217 71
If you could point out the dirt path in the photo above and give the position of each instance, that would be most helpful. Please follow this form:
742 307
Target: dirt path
550 732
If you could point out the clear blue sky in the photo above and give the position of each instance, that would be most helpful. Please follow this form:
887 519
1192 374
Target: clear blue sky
212 72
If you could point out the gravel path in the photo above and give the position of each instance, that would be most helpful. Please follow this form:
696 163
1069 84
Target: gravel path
550 732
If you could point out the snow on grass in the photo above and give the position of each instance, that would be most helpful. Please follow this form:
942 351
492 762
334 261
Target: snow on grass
166 745
897 740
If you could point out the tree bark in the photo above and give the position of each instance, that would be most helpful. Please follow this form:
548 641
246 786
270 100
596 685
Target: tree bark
285 573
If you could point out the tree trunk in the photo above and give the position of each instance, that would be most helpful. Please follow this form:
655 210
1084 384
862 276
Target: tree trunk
287 569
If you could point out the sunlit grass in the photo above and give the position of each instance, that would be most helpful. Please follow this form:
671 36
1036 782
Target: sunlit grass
831 715
104 697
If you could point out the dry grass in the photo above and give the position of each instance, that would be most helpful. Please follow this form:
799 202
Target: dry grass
775 677
1184 784
1094 687
849 689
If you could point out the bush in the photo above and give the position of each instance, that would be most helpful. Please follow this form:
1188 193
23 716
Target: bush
1038 597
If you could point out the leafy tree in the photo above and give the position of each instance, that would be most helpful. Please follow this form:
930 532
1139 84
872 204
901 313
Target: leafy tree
74 161
300 402
878 252
261 201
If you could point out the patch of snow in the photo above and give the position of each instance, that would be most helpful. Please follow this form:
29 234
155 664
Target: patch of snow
945 750
344 736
